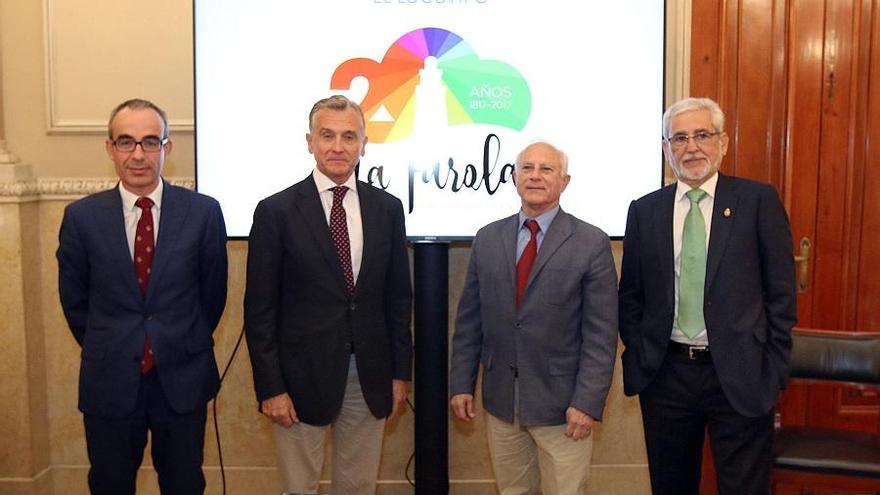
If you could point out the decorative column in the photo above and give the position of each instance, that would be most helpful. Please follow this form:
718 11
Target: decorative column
24 424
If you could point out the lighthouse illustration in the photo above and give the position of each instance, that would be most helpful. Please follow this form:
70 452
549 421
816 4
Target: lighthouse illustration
430 78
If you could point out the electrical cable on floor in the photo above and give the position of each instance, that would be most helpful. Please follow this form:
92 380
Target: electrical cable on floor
216 423
413 455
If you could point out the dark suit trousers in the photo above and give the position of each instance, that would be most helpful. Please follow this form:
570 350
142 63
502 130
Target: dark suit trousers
116 445
677 406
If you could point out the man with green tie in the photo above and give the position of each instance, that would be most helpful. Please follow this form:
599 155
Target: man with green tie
706 306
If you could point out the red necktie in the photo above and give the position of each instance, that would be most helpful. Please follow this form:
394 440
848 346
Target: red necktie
526 260
339 232
144 244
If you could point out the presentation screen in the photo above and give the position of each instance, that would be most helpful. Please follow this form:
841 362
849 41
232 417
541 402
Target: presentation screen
451 90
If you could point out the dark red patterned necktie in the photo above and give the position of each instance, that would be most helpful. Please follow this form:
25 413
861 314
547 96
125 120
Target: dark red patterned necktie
339 232
526 260
144 245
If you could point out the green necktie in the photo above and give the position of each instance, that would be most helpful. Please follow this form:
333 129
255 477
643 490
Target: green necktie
693 268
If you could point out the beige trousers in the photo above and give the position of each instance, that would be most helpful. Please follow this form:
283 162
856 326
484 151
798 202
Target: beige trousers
357 447
530 460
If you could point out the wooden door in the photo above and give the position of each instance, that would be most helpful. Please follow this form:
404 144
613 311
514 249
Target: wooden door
832 184
799 81
834 154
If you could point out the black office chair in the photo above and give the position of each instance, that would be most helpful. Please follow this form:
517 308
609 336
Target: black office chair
845 357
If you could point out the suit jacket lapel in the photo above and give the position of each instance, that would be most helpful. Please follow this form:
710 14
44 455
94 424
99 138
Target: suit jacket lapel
171 221
663 234
112 221
558 232
725 201
510 231
309 204
370 220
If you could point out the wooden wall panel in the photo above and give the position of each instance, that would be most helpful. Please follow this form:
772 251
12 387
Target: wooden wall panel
753 88
828 281
868 149
729 72
778 104
856 185
806 25
842 407
705 53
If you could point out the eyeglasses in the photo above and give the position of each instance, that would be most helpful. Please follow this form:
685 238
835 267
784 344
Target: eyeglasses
149 144
700 138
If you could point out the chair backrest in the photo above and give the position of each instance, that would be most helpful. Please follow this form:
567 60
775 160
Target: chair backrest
838 356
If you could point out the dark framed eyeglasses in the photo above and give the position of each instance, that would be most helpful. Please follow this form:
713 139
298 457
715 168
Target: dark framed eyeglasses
149 144
700 138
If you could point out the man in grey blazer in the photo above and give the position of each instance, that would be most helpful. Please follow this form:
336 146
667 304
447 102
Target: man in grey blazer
538 312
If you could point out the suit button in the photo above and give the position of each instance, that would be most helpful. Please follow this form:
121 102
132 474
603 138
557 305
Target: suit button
518 325
352 306
348 346
149 317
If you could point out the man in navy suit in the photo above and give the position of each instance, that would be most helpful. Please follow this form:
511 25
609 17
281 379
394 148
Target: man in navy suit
142 279
327 310
706 307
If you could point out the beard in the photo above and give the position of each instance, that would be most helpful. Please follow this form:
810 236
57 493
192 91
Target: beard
703 171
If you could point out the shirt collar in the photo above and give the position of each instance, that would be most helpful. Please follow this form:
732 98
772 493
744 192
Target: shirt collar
708 186
129 198
324 183
544 219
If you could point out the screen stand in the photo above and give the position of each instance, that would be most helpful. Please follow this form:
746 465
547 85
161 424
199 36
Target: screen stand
431 267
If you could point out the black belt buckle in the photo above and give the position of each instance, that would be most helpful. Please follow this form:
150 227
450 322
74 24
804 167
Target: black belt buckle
694 351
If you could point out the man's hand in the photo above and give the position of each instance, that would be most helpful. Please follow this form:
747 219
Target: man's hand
463 406
280 410
399 389
578 425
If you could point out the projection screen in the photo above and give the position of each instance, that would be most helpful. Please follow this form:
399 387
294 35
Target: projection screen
452 90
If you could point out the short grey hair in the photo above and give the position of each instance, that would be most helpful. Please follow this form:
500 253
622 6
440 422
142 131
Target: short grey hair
563 158
691 104
137 104
338 103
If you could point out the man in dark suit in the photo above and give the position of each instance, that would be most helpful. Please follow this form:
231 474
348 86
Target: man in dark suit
707 303
538 312
327 310
142 279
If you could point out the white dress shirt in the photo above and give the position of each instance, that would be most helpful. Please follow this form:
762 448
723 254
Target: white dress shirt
679 212
352 205
132 213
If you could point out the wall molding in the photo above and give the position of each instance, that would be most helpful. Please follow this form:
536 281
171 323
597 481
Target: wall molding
66 188
678 50
56 123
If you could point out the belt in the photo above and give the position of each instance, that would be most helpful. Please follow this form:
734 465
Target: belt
693 352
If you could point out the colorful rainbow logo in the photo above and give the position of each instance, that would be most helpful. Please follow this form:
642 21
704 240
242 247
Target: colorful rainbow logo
477 91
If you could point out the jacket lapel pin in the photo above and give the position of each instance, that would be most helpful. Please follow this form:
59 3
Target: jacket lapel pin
727 212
